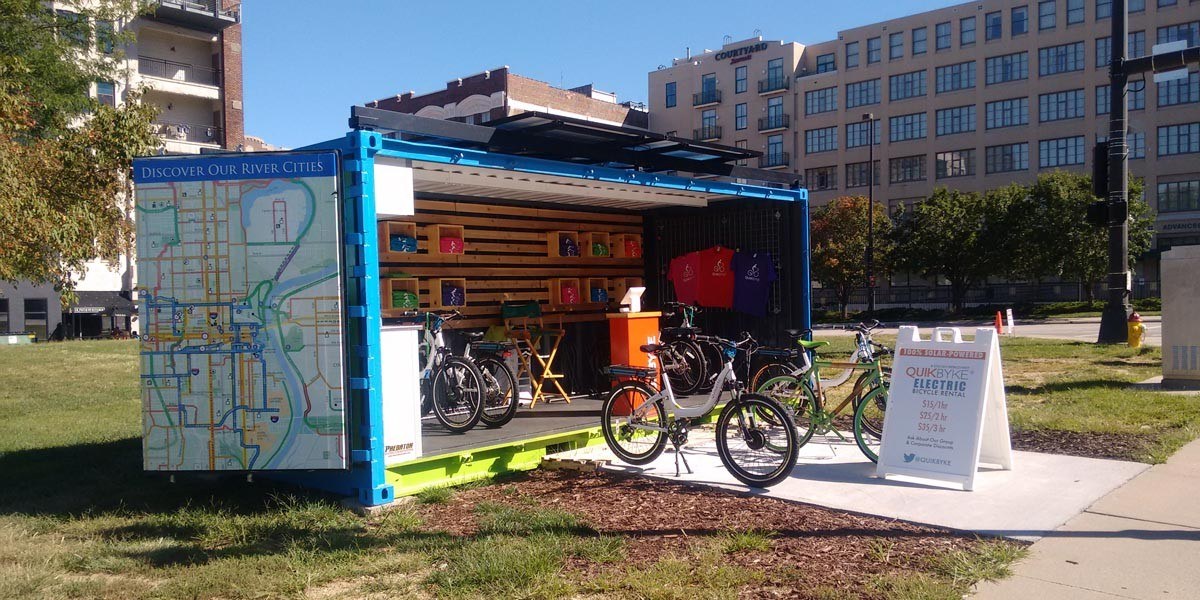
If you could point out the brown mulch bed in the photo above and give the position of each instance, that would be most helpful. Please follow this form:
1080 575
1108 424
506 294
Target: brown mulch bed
811 546
1118 446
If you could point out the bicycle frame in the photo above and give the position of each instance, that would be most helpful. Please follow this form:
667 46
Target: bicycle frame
819 390
685 412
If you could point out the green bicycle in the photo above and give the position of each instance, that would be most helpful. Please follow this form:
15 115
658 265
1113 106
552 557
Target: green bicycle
860 412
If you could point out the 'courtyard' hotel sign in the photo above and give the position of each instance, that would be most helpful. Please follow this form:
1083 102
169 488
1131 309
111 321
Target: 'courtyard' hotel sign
744 51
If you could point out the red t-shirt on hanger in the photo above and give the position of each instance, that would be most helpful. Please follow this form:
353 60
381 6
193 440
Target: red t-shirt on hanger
684 274
716 277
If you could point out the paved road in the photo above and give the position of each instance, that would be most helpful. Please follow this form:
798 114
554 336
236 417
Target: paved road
1083 330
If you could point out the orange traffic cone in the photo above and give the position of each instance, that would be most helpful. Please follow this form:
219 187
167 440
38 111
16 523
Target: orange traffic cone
999 324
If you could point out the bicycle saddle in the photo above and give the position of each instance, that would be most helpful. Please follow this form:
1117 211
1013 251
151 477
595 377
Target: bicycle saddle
651 348
473 336
811 345
679 331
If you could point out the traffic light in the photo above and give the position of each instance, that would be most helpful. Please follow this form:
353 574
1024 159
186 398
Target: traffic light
1097 213
1100 170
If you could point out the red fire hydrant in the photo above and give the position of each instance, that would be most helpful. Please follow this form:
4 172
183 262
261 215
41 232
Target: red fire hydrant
1135 331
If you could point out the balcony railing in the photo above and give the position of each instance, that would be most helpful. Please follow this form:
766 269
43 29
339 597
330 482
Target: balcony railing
773 84
177 71
773 122
207 15
706 97
189 132
712 132
776 159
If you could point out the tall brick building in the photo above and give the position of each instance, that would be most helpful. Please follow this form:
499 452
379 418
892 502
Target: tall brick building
187 54
499 93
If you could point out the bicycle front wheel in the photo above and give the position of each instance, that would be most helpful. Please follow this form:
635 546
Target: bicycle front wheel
798 398
756 440
458 395
873 416
500 392
868 421
634 428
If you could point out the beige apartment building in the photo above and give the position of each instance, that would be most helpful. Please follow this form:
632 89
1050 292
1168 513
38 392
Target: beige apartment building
973 96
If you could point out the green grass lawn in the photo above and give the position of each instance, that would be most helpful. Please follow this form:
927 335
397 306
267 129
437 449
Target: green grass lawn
79 519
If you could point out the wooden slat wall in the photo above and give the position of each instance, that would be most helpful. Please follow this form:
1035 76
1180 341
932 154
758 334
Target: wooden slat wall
506 257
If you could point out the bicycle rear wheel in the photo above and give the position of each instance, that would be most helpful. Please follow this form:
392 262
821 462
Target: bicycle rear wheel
686 368
768 371
756 440
634 428
457 393
500 392
873 417
714 363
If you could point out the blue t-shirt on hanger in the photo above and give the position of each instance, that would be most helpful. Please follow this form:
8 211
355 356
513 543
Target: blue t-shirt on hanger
753 274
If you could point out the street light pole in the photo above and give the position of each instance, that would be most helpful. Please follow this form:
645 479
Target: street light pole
1116 311
870 119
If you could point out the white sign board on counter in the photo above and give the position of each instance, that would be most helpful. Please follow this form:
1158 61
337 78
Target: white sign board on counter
946 410
401 392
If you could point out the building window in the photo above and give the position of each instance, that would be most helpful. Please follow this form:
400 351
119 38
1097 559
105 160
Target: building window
740 116
1179 139
1103 100
1074 11
859 132
1047 15
966 31
906 85
906 127
775 156
1007 113
1006 158
1103 51
1135 6
1057 106
670 94
1060 59
1179 196
708 120
825 63
1009 67
862 93
956 163
906 168
106 93
960 119
942 33
1060 152
821 178
1180 91
775 111
1103 9
920 38
739 79
1135 99
37 317
1136 140
741 145
993 26
73 27
105 36
708 83
1020 20
896 45
859 174
1137 44
820 140
819 101
956 77
851 55
874 46
1189 32
4 326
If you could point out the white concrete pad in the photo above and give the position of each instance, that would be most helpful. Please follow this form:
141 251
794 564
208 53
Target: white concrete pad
1147 498
1040 494
1019 587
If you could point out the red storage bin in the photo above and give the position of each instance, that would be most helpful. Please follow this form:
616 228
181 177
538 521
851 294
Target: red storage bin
451 245
633 249
570 294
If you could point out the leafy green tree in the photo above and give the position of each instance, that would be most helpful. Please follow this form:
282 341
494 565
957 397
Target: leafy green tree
957 235
64 157
839 245
1056 239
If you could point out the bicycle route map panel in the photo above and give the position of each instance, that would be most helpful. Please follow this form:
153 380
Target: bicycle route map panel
239 284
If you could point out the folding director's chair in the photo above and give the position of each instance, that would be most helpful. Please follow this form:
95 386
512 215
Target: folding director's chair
525 327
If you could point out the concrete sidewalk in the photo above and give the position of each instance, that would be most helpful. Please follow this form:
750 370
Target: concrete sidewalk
1140 541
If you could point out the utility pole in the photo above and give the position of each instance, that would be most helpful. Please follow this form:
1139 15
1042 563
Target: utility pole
870 119
1162 60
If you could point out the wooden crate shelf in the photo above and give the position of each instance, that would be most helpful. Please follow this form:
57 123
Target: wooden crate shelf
389 285
435 292
622 285
438 232
387 229
592 284
554 239
590 239
556 291
619 249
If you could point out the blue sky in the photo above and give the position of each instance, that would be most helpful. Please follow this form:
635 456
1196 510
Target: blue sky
307 61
